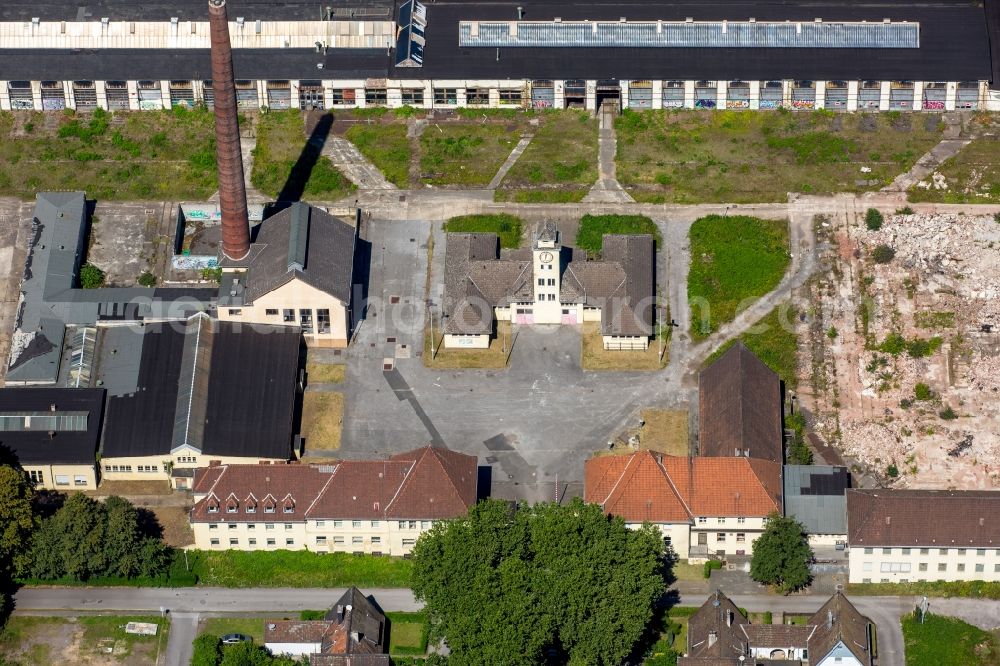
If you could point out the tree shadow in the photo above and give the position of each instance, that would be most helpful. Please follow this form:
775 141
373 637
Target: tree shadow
660 623
295 186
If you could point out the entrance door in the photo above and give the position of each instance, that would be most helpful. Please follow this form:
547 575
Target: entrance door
702 538
575 93
609 89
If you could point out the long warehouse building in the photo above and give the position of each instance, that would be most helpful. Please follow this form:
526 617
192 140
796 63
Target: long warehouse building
849 55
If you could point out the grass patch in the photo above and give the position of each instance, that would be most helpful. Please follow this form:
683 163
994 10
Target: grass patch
154 155
935 320
386 146
947 641
220 626
562 154
281 141
325 373
465 154
454 359
774 341
972 176
83 639
666 431
672 631
734 261
593 227
322 419
974 589
541 195
685 571
408 633
297 568
684 156
508 227
593 356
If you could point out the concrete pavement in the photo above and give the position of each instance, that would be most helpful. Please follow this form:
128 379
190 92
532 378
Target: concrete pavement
183 631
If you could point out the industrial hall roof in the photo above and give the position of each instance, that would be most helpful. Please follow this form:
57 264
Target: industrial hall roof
815 495
219 388
648 486
927 518
431 483
48 426
301 242
739 407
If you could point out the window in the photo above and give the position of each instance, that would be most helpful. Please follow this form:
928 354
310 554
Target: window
980 552
213 526
323 320
866 566
231 508
413 96
863 580
148 468
252 526
741 537
996 568
235 312
922 566
942 567
187 459
510 96
268 526
906 551
357 539
288 526
887 551
895 567
320 523
702 520
270 542
251 508
552 282
869 551
376 524
289 542
720 536
214 542
413 524
741 520
722 521
343 96
252 541
213 508
925 551
232 526
288 316
552 297
376 539
979 568
289 508
477 96
541 282
356 524
961 551
445 96
268 508
234 542
306 320
79 480
321 541
62 480
942 551
425 524
408 542
338 540
375 96
961 567
37 477
271 312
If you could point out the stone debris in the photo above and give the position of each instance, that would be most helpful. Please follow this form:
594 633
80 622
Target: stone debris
937 182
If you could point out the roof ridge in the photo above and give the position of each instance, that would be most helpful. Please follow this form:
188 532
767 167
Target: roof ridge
322 490
399 488
753 470
621 476
673 487
211 489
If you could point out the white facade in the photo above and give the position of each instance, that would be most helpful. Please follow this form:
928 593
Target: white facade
294 649
839 656
711 536
903 565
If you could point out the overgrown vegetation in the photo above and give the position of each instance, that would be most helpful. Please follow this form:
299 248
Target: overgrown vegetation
408 633
971 176
91 277
508 227
593 227
734 261
147 279
710 566
465 154
873 219
975 589
895 344
386 146
772 340
883 254
297 568
799 452
947 641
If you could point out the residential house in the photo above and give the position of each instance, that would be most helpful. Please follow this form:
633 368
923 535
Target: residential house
719 635
353 632
704 507
739 408
355 506
549 284
899 536
815 495
203 390
299 272
54 433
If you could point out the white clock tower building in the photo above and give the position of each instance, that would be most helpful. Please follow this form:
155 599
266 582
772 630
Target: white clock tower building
547 272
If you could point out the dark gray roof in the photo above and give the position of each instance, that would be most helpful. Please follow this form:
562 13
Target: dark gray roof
739 407
185 10
838 621
301 242
816 496
714 630
76 444
365 622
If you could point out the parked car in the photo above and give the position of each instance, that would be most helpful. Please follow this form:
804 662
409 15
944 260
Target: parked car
232 639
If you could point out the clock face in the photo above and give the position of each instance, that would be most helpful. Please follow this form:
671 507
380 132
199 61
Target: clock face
545 256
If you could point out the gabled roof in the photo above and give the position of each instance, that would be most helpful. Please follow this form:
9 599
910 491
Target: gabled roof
940 518
714 630
477 280
659 488
441 484
838 621
739 407
301 242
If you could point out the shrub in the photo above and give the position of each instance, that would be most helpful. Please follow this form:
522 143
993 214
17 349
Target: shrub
91 277
710 566
996 217
307 615
873 219
905 210
211 274
883 254
905 403
207 650
920 348
768 617
892 471
832 333
147 279
922 392
948 414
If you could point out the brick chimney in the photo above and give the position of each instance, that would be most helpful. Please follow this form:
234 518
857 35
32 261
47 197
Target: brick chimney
229 157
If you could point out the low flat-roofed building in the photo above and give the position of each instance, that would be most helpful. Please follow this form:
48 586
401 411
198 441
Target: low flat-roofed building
897 536
816 496
54 433
205 390
355 506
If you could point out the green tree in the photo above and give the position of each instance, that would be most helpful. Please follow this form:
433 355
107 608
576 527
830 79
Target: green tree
123 545
17 521
207 650
511 586
781 555
71 542
883 254
873 219
252 654
91 277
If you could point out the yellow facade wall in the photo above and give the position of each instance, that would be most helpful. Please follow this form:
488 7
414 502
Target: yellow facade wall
62 477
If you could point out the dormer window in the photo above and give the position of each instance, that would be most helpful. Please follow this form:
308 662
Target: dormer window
289 508
232 507
252 507
288 504
213 507
268 508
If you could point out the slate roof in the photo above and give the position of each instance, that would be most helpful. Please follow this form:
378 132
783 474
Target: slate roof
815 495
719 615
430 483
739 407
838 621
300 242
650 486
354 626
62 447
248 394
477 280
938 518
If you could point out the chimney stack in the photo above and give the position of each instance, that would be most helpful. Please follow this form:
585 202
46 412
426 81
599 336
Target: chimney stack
229 156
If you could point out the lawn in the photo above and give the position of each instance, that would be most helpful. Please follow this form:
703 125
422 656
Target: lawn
734 261
85 639
686 156
672 639
774 341
560 163
508 227
152 155
407 633
590 235
248 626
297 568
666 431
456 359
947 641
972 176
281 143
322 420
465 153
386 145
593 356
325 373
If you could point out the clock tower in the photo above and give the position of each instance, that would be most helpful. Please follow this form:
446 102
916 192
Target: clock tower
546 275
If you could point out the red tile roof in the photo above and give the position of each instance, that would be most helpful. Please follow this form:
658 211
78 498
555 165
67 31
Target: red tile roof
429 483
660 488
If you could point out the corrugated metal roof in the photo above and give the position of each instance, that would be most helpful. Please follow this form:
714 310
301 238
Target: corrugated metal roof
815 495
694 34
